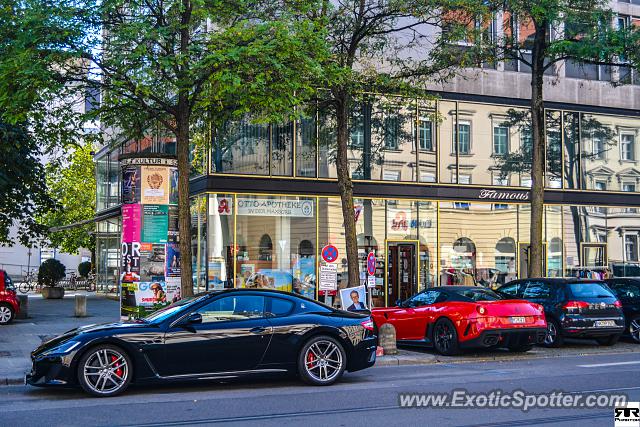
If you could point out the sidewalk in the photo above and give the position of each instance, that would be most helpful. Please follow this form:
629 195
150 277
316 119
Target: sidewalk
46 318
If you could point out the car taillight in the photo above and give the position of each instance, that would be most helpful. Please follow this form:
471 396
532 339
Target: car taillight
618 304
572 306
481 309
368 324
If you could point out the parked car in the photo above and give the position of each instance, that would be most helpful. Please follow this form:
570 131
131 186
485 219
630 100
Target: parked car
574 308
628 292
220 334
9 305
450 318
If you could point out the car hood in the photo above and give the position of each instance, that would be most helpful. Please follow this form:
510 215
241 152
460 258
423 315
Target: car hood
114 326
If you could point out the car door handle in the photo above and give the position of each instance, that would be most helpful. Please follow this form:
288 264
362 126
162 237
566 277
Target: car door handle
259 330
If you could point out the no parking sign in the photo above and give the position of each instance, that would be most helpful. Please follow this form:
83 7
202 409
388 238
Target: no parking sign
329 253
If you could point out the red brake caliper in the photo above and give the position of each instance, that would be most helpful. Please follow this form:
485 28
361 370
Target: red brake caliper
119 371
310 359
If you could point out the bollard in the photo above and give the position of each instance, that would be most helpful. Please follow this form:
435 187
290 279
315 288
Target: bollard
81 305
24 307
387 338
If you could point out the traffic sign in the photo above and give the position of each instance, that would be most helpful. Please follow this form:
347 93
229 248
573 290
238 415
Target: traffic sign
371 264
329 253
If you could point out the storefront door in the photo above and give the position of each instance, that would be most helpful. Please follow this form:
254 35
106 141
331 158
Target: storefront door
402 267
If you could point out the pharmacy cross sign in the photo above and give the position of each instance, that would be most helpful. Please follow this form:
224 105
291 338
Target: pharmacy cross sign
329 253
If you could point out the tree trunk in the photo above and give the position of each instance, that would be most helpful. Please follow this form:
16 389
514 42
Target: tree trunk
538 153
184 206
345 187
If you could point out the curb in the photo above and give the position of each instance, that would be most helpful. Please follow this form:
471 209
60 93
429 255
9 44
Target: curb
405 360
11 381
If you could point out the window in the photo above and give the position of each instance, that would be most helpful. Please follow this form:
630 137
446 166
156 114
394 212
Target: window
425 134
391 176
427 177
391 130
600 185
627 146
629 187
631 247
357 128
626 291
537 290
279 307
500 140
424 298
464 138
513 289
236 307
598 149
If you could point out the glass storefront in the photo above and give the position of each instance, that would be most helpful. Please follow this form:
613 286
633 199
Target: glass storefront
108 254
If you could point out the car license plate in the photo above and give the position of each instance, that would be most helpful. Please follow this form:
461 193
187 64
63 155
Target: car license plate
518 319
604 323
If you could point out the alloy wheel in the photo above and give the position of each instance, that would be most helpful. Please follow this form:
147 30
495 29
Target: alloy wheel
5 314
444 337
323 360
106 371
634 329
552 333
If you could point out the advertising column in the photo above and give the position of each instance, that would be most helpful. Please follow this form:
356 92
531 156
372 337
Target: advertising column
150 255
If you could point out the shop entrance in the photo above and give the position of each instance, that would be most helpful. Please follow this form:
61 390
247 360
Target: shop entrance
402 268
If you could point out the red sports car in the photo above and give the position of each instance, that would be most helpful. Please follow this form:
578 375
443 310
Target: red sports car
450 318
9 305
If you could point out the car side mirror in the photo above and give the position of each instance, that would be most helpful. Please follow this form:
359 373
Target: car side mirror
192 319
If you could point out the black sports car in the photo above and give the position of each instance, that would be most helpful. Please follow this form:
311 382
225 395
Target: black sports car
221 334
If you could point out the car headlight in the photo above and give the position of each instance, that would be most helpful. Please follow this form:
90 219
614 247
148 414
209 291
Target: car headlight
62 349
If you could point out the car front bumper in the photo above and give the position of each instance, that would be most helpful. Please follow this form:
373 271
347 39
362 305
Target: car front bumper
50 371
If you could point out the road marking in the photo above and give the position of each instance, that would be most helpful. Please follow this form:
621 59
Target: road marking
599 365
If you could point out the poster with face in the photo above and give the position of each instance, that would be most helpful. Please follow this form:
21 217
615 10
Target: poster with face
131 185
173 289
130 254
173 260
173 186
151 294
354 299
155 185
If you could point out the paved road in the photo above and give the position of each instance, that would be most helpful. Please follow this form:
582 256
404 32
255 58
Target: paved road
368 397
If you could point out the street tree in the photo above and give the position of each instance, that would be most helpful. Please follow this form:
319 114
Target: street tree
71 183
542 35
382 46
179 63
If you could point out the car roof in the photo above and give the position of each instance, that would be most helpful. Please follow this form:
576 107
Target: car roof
459 288
559 280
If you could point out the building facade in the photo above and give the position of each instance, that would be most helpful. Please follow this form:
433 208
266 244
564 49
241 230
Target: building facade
441 187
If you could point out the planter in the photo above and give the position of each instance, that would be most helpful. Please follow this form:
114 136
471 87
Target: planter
52 292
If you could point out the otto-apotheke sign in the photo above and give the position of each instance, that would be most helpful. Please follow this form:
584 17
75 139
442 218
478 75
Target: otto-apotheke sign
503 195
275 207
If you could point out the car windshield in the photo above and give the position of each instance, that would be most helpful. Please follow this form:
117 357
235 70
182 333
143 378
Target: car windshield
590 290
479 294
8 283
170 310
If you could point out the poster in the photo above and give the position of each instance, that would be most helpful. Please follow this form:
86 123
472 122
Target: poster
155 185
173 289
151 294
152 259
130 254
131 219
131 185
328 277
173 186
155 223
217 276
173 224
173 260
353 299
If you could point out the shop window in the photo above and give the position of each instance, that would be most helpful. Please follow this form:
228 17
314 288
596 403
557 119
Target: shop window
266 248
241 147
505 257
282 149
306 147
356 128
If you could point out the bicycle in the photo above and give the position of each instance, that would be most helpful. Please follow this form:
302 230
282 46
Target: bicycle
29 283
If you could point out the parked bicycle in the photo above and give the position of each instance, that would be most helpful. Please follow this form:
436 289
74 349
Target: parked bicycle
29 283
